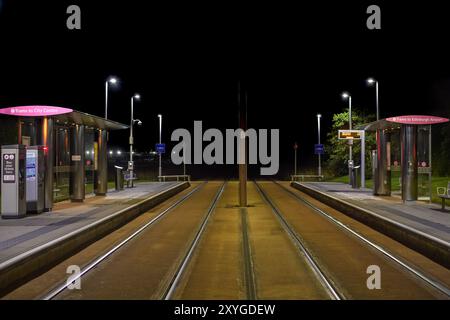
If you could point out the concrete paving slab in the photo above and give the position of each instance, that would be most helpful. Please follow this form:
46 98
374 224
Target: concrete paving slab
20 235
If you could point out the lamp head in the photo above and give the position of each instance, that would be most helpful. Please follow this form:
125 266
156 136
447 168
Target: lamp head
112 80
345 95
371 81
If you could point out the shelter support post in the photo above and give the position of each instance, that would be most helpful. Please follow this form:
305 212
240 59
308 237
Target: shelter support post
46 139
102 169
409 162
77 172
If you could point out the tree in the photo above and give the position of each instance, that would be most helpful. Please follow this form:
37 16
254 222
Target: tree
337 150
441 150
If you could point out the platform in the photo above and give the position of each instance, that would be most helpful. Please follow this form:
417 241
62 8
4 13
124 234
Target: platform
20 235
421 226
71 224
425 217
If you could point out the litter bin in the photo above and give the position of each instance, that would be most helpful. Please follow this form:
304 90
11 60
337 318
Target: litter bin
354 177
118 178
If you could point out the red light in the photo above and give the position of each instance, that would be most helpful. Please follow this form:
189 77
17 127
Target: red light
45 149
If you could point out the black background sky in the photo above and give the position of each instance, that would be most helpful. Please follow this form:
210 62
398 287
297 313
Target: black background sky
185 60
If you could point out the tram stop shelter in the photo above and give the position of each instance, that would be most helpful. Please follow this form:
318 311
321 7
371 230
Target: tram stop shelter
74 143
403 147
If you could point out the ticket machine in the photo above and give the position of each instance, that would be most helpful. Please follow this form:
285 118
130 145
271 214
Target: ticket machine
35 172
13 181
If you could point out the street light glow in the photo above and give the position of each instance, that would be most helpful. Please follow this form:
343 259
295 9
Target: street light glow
112 80
137 96
370 81
345 95
319 115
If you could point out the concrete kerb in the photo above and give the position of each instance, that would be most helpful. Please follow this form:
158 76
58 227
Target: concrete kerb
432 247
16 271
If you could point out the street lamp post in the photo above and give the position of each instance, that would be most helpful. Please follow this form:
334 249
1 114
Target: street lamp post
295 158
160 154
131 164
184 159
371 82
318 135
347 96
113 81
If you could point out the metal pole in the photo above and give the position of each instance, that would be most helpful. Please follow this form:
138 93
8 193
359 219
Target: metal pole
184 159
377 101
295 161
350 154
243 150
363 159
77 174
430 175
409 162
131 144
106 99
318 133
160 154
350 112
102 169
47 134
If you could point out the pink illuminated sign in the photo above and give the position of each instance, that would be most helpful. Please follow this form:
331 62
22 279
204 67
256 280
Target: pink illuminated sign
424 120
34 111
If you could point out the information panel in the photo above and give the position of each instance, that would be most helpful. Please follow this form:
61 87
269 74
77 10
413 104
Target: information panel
9 168
350 134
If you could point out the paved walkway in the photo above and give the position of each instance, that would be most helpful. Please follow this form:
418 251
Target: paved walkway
425 217
20 235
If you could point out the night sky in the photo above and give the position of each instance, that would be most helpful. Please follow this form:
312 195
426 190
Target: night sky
186 59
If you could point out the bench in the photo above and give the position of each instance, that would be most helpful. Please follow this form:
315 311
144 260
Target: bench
130 179
444 194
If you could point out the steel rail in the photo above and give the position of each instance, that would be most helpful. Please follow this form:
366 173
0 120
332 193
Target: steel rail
442 288
104 256
323 279
187 258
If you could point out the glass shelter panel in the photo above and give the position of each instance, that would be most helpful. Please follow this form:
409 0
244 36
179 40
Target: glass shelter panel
90 160
62 164
424 162
396 161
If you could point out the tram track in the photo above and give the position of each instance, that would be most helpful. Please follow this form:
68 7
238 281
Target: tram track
343 261
321 276
249 275
105 268
246 254
439 286
181 269
283 245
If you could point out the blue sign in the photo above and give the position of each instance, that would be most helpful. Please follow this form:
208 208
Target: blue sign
160 148
319 149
